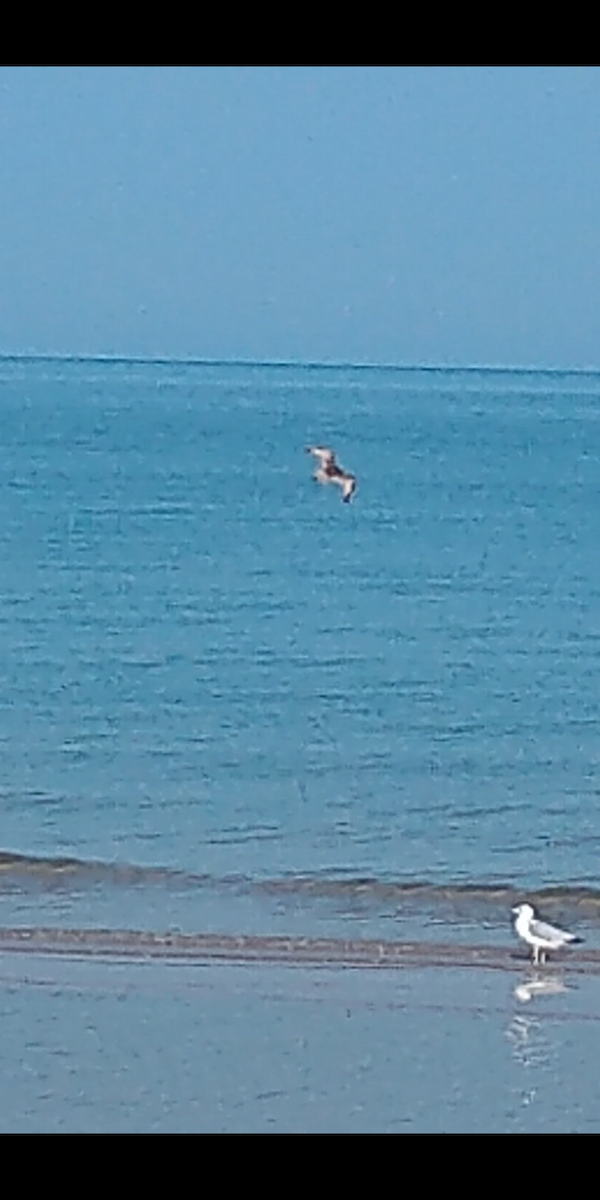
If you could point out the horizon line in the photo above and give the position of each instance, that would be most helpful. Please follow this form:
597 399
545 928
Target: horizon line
327 364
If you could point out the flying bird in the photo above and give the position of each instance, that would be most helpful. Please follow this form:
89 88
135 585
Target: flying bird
539 935
330 472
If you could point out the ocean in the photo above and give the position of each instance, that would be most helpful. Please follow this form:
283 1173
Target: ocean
235 708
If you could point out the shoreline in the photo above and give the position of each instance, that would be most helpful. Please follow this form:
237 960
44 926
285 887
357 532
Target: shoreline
129 944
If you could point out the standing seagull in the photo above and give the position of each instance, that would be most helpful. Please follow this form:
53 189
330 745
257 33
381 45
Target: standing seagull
538 934
330 472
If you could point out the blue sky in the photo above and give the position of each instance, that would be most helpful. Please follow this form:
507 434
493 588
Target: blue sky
401 215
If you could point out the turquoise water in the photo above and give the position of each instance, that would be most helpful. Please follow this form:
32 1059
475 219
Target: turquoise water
227 698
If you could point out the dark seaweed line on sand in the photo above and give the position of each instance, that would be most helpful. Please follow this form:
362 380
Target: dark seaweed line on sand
199 947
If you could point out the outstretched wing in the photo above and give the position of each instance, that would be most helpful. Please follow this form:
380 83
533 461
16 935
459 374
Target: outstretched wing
348 487
325 456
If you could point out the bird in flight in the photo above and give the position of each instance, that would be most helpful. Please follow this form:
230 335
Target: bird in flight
538 934
330 472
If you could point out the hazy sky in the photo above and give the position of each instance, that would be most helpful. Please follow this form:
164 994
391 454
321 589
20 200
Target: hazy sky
403 215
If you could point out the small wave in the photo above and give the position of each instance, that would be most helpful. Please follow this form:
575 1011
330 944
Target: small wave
64 871
424 893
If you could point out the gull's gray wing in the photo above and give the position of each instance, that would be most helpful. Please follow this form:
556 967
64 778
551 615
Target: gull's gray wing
550 933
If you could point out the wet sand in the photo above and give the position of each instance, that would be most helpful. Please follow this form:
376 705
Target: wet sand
103 1041
306 951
